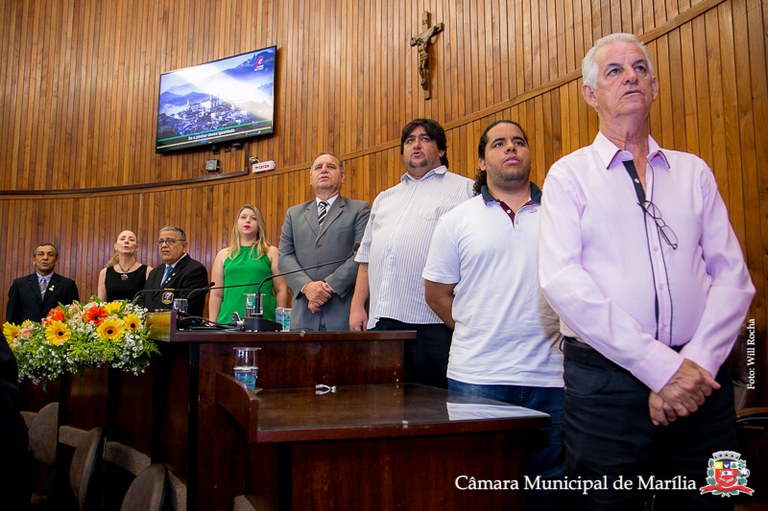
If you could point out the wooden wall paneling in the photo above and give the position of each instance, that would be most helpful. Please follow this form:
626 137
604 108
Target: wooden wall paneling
660 12
664 118
547 42
555 138
22 93
731 134
719 161
756 180
648 21
677 93
688 75
704 115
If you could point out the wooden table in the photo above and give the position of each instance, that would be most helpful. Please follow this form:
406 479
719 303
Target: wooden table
383 447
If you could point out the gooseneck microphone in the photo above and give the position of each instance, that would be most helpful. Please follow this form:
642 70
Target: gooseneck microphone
259 324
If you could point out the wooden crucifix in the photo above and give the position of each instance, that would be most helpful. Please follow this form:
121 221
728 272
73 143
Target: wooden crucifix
423 40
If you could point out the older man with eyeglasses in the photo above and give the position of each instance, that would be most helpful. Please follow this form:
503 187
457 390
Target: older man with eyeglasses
639 260
177 277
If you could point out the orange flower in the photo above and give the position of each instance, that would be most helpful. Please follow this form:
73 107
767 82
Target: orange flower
95 315
55 314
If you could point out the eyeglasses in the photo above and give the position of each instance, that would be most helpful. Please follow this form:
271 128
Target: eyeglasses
667 234
168 241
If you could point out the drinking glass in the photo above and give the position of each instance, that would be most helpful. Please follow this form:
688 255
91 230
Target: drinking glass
246 366
250 305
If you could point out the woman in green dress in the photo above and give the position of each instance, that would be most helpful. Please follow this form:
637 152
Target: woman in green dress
248 260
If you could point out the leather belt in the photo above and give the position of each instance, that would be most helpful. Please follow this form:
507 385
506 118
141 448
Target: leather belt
575 350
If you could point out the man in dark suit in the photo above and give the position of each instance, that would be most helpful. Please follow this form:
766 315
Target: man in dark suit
322 230
177 277
31 297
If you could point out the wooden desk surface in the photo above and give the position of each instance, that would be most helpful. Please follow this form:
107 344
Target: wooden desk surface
365 411
376 446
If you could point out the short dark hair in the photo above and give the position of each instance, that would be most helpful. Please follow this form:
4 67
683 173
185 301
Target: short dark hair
481 178
46 244
434 131
484 137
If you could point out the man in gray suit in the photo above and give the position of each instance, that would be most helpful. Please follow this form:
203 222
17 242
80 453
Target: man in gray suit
324 229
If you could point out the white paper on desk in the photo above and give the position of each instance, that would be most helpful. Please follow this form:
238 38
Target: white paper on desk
475 411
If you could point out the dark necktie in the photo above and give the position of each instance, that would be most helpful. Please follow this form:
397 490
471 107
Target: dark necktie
322 212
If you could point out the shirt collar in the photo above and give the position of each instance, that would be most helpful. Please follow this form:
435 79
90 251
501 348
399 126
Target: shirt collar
442 169
329 200
613 156
46 277
535 194
173 265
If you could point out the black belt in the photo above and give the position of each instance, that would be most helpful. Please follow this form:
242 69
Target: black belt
578 351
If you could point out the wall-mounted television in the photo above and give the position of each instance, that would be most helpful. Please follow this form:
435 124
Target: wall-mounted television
218 102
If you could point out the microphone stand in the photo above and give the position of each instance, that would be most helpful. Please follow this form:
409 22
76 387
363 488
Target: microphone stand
258 323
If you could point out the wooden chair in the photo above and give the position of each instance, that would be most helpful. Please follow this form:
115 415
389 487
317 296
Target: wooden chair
43 430
147 492
87 453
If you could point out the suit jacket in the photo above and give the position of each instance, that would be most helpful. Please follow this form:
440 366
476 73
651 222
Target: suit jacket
25 301
303 243
188 274
14 457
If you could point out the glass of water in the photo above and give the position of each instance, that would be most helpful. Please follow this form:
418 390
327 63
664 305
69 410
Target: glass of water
246 366
252 308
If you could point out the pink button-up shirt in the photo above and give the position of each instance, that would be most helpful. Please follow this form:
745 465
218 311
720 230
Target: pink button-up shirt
603 265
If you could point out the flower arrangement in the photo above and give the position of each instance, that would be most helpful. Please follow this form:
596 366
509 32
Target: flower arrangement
73 337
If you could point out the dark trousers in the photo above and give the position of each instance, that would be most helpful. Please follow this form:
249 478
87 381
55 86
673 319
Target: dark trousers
426 358
607 431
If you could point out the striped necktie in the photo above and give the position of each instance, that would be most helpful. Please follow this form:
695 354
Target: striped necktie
43 284
168 269
322 212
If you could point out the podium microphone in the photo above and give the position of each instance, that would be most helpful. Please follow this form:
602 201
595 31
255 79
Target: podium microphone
258 323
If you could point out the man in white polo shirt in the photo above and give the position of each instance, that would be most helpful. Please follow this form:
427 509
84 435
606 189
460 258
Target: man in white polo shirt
481 279
394 249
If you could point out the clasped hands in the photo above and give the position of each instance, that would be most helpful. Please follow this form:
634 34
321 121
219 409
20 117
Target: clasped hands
683 394
317 293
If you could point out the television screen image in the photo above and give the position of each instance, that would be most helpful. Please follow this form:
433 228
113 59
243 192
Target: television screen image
222 101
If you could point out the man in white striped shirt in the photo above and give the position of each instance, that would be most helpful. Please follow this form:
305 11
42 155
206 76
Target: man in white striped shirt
394 250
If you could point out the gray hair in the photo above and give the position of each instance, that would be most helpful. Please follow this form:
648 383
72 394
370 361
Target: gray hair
589 68
332 155
46 244
177 230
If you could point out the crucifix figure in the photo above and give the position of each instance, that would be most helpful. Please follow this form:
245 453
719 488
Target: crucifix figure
423 40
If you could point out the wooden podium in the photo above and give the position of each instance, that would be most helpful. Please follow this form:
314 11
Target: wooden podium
198 439
374 443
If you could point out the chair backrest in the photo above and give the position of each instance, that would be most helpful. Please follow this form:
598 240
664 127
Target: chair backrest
147 491
44 434
87 453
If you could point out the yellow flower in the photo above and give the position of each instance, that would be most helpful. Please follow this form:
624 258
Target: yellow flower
11 332
57 332
132 322
112 307
111 329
